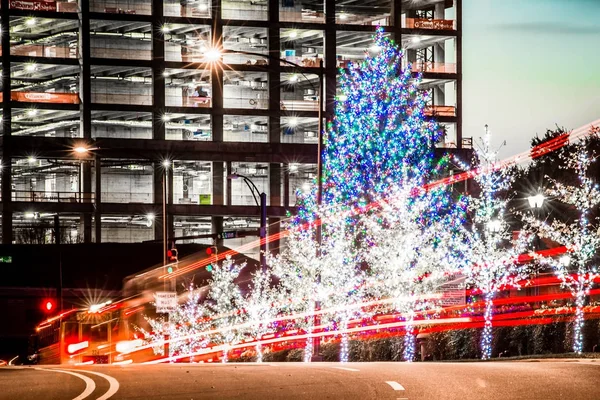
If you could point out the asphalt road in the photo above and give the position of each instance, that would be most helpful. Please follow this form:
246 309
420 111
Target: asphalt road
548 380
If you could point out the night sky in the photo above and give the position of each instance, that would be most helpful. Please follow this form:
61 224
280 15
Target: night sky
529 65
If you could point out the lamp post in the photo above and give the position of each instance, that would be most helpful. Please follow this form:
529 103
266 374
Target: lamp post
263 215
535 203
166 164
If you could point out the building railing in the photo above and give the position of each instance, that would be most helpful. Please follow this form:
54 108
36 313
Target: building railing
256 10
301 16
44 97
37 50
188 101
304 61
467 143
52 197
127 197
245 102
441 111
433 24
311 104
434 67
42 5
122 98
125 54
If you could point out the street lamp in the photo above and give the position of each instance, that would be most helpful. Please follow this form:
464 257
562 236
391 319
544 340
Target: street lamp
537 201
81 151
263 215
166 164
494 226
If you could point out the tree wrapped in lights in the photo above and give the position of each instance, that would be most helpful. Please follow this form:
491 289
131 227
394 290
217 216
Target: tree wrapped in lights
380 135
577 270
411 252
260 304
298 271
491 253
341 280
225 303
184 327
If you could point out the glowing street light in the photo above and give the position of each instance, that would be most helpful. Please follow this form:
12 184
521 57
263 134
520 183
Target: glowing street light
212 55
81 150
494 226
536 201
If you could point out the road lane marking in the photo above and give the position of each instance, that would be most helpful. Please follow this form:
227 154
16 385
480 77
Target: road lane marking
395 385
347 369
113 384
90 386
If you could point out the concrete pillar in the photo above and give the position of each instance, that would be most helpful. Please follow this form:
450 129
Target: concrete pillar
218 176
228 171
330 60
85 90
158 200
274 73
98 200
286 185
158 68
275 180
217 226
7 234
439 11
86 187
458 11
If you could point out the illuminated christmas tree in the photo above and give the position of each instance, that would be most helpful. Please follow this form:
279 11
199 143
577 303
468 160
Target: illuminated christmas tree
184 326
577 269
225 303
491 254
260 305
380 135
413 250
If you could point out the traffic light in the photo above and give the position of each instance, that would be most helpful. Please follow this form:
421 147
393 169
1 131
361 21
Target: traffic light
209 267
211 251
48 305
172 255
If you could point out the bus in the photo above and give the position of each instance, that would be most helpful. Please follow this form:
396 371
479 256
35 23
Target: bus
79 336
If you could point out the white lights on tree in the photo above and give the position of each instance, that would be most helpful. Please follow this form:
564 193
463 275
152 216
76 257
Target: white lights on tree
577 269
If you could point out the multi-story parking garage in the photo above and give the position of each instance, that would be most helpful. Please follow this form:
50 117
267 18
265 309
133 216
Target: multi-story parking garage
126 83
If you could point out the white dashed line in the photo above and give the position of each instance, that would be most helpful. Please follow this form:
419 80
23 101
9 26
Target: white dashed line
112 382
395 385
347 369
90 386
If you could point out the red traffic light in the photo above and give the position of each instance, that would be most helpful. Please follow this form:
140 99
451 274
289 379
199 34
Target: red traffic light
48 305
211 251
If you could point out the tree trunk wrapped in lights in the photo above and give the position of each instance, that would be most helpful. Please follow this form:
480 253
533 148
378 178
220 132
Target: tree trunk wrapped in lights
491 253
578 269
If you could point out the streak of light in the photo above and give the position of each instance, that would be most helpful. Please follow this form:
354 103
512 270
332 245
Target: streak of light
309 336
125 362
90 362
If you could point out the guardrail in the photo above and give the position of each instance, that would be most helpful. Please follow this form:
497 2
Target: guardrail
52 197
434 67
433 24
441 111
